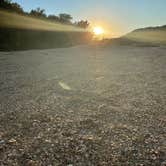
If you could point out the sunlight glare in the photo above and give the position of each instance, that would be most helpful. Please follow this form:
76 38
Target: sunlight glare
98 30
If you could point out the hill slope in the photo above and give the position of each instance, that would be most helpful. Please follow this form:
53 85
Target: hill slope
12 20
18 32
154 35
150 36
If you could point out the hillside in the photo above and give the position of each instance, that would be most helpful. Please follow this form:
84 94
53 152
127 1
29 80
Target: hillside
12 20
18 32
153 35
150 36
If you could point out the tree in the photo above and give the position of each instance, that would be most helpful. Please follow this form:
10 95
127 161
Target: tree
38 12
5 4
53 18
65 18
7 1
82 24
14 7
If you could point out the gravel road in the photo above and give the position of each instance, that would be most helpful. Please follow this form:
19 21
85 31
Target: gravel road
83 106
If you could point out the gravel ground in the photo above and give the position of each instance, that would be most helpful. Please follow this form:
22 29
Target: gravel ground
83 106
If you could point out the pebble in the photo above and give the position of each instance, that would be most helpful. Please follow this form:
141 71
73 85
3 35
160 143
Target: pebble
12 141
2 141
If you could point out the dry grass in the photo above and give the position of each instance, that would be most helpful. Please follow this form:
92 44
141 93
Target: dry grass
12 20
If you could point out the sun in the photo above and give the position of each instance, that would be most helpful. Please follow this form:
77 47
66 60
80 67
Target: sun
98 31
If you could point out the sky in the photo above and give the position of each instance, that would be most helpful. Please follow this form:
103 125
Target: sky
116 17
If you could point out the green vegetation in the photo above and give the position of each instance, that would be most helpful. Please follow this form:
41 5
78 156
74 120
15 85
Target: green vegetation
20 30
26 22
40 13
25 32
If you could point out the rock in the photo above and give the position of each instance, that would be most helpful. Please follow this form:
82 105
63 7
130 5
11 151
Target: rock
31 163
12 141
2 141
163 163
48 140
88 137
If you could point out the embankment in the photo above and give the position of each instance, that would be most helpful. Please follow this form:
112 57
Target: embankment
19 32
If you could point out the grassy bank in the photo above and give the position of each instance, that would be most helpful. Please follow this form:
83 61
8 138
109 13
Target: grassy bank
153 35
19 32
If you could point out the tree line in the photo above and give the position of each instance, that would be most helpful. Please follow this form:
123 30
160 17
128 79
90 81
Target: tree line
40 13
